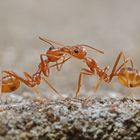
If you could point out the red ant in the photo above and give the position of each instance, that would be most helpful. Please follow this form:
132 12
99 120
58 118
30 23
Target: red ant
127 76
11 81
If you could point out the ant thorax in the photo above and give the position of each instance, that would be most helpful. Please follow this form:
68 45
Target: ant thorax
54 54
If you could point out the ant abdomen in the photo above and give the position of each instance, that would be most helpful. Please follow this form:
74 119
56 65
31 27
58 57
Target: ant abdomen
129 77
9 84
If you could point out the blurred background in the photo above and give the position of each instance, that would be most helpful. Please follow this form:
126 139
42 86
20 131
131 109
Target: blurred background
111 26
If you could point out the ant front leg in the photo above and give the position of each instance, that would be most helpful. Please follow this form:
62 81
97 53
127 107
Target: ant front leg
41 57
31 81
47 83
83 72
98 83
44 63
114 71
60 64
126 61
123 66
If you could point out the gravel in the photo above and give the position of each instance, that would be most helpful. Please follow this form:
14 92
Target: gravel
27 118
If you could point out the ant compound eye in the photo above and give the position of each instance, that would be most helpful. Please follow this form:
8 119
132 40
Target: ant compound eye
51 48
76 51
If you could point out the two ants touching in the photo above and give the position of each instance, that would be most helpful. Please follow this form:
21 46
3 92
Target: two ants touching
127 75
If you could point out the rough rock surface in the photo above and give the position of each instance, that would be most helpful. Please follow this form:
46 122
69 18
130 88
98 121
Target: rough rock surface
69 119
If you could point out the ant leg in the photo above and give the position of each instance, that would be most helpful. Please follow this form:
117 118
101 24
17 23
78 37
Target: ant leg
33 85
83 72
126 61
98 83
127 74
29 82
36 91
132 64
1 77
51 87
123 65
28 76
115 65
41 57
57 65
61 63
113 73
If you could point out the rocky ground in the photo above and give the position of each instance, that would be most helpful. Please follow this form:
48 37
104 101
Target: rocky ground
23 118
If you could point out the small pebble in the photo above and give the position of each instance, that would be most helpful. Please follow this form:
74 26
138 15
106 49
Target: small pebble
123 131
29 125
3 130
134 128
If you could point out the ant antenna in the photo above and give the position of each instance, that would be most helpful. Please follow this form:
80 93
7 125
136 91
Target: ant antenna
50 41
91 48
59 44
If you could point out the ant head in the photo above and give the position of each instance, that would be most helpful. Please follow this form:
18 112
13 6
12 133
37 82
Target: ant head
78 52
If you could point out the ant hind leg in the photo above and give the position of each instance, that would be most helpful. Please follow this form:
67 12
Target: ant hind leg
98 83
114 71
47 83
83 72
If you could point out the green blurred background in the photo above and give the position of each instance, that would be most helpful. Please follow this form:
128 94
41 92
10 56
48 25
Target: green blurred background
110 25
